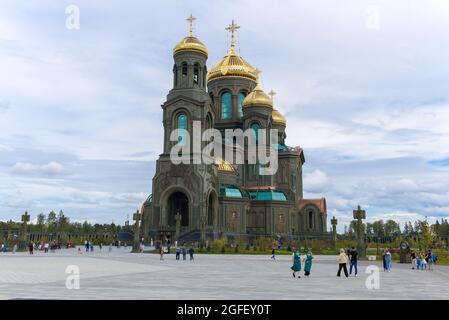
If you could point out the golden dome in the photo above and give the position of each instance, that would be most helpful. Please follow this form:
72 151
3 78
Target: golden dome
223 165
190 43
232 65
278 118
257 98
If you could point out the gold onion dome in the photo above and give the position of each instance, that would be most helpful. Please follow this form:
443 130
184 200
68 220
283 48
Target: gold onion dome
232 65
223 165
257 98
190 43
278 118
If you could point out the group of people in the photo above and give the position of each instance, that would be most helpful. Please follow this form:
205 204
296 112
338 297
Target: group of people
178 252
386 260
351 256
296 259
423 261
5 248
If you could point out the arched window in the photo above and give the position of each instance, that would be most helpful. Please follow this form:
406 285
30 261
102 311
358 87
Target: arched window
184 69
255 126
204 76
226 108
241 98
175 75
310 219
182 124
196 72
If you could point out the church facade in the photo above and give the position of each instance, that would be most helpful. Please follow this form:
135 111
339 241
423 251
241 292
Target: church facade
205 201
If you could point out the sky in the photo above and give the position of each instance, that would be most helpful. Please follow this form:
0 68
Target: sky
364 86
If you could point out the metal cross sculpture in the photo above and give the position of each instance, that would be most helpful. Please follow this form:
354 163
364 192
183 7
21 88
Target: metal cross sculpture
25 217
360 214
136 217
334 228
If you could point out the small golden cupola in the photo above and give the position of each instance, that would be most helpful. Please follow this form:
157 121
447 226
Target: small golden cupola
257 98
190 43
232 65
278 118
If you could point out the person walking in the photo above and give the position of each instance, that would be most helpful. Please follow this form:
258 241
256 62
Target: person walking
428 259
161 252
387 261
342 260
177 253
423 262
353 259
418 261
191 252
308 263
110 247
14 248
273 254
86 245
413 259
433 258
31 247
296 259
184 252
383 260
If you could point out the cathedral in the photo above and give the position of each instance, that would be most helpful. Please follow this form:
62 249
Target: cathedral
198 201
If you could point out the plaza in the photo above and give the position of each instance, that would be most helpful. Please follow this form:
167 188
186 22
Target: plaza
120 274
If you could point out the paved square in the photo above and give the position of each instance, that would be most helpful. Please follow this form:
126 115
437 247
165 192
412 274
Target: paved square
123 275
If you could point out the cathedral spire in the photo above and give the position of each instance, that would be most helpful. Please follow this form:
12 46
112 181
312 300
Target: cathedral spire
232 28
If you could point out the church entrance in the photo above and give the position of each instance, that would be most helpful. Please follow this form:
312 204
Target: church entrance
178 202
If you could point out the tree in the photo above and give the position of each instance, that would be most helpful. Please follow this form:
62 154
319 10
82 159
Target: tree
426 234
51 221
392 228
51 218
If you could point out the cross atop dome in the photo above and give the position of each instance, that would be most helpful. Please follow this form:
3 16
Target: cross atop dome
191 19
232 28
272 93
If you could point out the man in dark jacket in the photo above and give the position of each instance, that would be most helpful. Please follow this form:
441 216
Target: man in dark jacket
353 256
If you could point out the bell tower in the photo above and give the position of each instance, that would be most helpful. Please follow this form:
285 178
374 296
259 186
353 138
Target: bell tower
180 190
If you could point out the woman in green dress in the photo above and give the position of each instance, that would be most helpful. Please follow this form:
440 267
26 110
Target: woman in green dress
308 263
296 257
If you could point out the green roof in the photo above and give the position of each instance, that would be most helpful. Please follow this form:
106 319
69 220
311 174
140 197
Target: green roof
230 191
279 147
267 195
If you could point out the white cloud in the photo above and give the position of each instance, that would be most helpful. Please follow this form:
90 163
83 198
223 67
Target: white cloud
51 168
316 181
